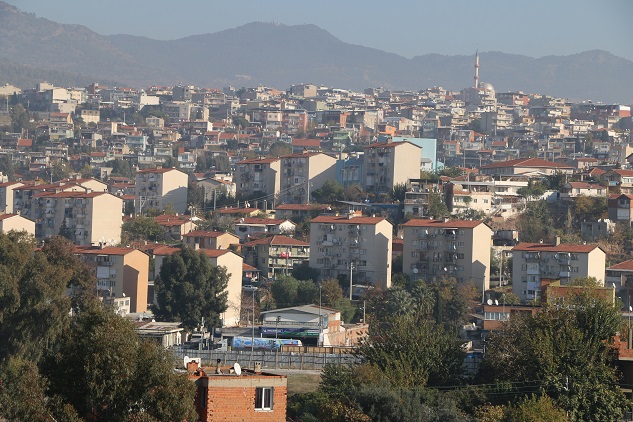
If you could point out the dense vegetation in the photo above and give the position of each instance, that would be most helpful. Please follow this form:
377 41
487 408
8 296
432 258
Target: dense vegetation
66 357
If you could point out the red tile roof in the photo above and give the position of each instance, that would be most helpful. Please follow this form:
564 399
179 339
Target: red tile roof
266 221
622 266
156 170
420 222
277 240
246 267
526 162
108 250
5 216
328 219
547 247
208 234
299 142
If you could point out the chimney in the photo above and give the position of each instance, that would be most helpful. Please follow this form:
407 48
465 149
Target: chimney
258 367
217 367
557 240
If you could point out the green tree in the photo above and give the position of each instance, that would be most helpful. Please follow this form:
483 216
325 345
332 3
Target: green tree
331 292
564 352
412 352
330 192
60 171
142 228
535 409
34 305
305 272
7 168
279 149
190 288
122 168
171 162
65 231
535 223
21 120
307 293
222 163
397 192
437 207
284 291
105 373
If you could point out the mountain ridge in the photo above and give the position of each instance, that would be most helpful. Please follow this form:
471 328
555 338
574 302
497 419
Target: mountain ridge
281 55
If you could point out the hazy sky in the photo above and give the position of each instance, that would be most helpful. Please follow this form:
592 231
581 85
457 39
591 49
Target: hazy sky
408 27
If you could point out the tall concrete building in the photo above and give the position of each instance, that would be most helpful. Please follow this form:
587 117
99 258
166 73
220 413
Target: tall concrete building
390 163
340 245
447 248
302 174
155 188
89 218
258 176
121 272
532 262
6 195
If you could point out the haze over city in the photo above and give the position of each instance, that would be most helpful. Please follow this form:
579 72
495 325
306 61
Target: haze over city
409 28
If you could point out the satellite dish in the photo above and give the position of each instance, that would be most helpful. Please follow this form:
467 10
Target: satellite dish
489 301
123 294
630 308
185 361
415 270
496 302
237 368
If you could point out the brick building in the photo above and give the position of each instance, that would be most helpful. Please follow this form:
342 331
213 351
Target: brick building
223 395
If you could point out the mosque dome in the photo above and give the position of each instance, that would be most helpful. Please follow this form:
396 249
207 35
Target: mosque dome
487 86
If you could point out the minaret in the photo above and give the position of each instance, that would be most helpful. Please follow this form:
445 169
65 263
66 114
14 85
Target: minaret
477 69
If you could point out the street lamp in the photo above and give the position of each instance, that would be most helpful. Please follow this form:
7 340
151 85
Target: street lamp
252 289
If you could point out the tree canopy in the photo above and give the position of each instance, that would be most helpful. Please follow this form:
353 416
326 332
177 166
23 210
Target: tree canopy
190 288
64 356
563 352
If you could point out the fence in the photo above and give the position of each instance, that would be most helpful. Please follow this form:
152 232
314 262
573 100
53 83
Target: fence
269 359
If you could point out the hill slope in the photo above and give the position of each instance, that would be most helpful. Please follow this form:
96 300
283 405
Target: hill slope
281 55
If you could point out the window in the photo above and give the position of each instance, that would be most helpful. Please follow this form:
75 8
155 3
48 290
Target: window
264 398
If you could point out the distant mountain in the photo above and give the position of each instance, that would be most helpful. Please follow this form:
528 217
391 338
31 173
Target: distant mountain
281 55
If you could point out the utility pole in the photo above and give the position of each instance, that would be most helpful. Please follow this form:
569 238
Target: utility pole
351 273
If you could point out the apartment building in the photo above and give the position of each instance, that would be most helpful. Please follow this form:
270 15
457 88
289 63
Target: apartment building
348 245
6 195
275 255
302 174
121 272
16 223
88 218
457 249
200 239
155 188
258 176
390 163
532 262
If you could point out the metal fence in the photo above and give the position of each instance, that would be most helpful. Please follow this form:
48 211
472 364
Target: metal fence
268 359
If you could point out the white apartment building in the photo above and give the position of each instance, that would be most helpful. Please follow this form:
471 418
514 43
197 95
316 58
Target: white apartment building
390 163
155 188
258 176
302 174
458 249
6 195
357 245
532 262
90 218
